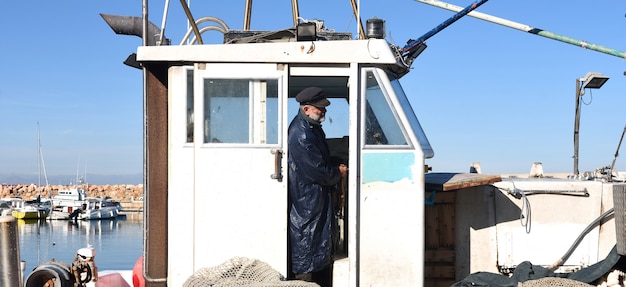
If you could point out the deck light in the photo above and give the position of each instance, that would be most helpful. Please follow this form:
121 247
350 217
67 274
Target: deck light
306 31
591 80
375 28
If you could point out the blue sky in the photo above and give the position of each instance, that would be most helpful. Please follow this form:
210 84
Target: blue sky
483 92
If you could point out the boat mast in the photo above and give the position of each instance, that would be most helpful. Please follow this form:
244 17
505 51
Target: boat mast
38 157
295 11
40 162
247 14
359 23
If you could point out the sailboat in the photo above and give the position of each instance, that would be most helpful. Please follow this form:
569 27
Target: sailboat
33 209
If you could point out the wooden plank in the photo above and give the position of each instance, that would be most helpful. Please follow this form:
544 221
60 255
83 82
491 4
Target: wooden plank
445 283
452 181
438 282
442 197
446 225
431 227
439 271
439 256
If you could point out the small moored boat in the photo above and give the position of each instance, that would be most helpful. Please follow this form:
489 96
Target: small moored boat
21 209
98 208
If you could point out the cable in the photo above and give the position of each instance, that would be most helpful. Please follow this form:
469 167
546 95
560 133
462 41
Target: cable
525 220
525 210
590 98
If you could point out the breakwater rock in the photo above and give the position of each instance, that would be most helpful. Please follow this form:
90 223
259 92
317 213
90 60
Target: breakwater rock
121 192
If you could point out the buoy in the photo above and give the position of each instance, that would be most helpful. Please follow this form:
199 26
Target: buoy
138 280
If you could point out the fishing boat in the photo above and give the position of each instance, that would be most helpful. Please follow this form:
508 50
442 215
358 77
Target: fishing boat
68 202
72 196
95 208
402 225
64 212
216 148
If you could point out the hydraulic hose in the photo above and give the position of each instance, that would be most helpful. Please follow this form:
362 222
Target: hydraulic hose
588 229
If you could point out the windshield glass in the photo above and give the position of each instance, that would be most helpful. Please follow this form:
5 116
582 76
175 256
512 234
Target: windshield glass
415 125
382 127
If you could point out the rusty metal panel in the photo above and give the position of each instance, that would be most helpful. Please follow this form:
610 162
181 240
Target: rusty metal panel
155 224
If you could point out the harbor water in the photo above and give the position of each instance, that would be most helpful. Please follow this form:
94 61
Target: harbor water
118 242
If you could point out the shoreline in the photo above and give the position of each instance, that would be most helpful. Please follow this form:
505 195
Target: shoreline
121 192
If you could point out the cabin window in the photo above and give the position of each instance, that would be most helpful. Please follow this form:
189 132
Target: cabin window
381 123
242 111
190 106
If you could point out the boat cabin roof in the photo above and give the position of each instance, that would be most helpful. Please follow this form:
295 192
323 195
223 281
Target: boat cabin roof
309 54
370 51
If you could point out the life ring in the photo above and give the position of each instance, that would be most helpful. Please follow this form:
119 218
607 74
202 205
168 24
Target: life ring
138 279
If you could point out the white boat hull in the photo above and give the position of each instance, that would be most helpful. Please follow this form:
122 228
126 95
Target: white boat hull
103 213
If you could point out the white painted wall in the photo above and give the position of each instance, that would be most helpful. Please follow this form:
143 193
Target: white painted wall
490 233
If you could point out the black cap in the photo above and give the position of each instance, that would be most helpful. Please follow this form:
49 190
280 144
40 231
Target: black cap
313 96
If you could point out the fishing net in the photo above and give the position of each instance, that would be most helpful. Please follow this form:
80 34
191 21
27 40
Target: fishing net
242 272
553 282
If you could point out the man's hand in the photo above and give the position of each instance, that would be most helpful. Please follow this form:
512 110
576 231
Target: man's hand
343 169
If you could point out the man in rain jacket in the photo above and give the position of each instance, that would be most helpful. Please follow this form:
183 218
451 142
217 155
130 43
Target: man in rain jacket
311 175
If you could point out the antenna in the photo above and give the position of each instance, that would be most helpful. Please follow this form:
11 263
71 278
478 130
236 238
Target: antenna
357 14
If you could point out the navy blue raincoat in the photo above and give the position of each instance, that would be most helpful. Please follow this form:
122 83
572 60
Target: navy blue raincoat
311 177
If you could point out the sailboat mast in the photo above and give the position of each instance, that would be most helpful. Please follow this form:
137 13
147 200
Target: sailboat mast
38 157
40 161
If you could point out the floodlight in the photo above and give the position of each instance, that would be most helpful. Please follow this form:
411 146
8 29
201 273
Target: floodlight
306 31
593 80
